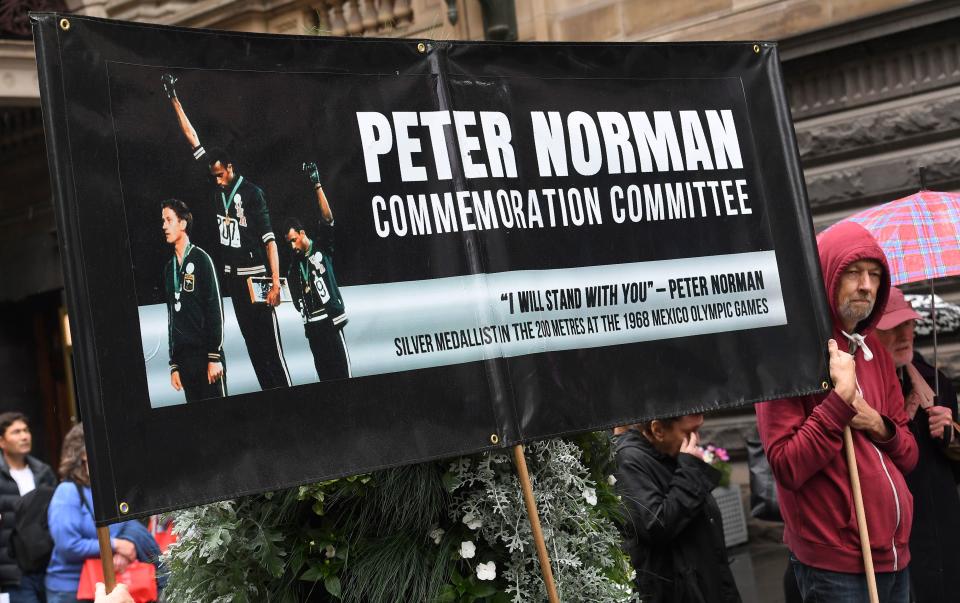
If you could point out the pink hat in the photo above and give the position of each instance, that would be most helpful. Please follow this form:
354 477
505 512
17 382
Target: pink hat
898 310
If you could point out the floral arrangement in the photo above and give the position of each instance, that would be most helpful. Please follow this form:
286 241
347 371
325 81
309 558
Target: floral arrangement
445 532
719 459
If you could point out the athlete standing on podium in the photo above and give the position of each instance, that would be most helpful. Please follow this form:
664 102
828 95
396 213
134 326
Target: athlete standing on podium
247 247
314 288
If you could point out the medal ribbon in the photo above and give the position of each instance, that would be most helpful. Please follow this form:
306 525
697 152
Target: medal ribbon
303 266
227 204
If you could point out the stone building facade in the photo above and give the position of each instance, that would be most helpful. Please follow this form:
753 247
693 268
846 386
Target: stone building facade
874 87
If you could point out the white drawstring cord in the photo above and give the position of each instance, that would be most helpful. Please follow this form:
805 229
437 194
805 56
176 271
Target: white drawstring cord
859 341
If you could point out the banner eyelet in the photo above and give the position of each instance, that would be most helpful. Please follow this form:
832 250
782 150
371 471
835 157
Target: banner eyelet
421 48
494 438
756 49
825 385
65 24
124 508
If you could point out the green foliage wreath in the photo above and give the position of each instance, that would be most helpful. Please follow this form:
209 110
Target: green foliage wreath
444 532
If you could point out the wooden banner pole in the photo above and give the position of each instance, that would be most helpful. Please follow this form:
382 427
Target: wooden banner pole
861 516
106 558
521 462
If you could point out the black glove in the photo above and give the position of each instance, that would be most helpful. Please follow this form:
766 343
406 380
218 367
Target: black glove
168 81
311 170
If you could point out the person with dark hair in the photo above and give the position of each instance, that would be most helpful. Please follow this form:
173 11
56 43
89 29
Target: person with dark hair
936 518
248 248
674 530
314 288
194 311
20 473
72 526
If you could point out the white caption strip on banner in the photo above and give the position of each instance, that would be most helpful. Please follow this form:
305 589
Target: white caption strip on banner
462 319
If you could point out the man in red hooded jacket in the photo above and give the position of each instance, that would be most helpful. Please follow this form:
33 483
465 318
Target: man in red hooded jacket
803 440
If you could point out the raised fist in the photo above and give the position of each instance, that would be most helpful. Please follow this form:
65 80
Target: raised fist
168 81
310 169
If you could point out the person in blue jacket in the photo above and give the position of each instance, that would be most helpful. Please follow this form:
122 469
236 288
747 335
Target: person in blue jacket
72 526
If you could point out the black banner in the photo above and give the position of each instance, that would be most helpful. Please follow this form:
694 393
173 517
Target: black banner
290 258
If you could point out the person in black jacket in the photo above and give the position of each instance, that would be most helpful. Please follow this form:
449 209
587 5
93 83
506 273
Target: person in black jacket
313 286
194 311
934 557
674 531
19 473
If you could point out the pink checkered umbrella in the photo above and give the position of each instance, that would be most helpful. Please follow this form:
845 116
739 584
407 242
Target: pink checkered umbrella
920 236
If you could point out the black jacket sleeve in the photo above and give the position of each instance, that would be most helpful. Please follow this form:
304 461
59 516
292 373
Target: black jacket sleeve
212 308
166 299
659 515
325 237
259 217
948 398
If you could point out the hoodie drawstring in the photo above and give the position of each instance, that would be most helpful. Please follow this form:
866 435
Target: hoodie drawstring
859 341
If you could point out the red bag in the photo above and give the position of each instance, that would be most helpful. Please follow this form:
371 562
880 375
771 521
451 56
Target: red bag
140 578
165 539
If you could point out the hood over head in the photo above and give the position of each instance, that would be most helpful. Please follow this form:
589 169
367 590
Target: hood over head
841 245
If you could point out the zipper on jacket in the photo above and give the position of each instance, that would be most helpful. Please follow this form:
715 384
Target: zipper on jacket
896 496
896 499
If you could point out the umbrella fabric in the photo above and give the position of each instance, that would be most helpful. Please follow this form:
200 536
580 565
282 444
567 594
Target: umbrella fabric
920 235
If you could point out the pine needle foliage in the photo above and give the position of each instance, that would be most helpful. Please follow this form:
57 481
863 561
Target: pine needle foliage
387 529
398 564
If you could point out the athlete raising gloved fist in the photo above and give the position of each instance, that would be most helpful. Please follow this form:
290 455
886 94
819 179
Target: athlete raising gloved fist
310 169
168 85
247 248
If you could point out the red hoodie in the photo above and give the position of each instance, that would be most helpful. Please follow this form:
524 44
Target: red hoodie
803 440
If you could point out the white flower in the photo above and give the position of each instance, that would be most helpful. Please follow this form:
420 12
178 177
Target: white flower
467 549
611 480
472 521
487 571
329 551
436 534
590 495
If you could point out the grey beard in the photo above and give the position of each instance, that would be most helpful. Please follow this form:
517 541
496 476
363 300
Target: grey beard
849 313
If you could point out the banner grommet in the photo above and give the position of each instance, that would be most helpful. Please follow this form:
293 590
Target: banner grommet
494 438
124 508
825 385
65 24
756 49
421 48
